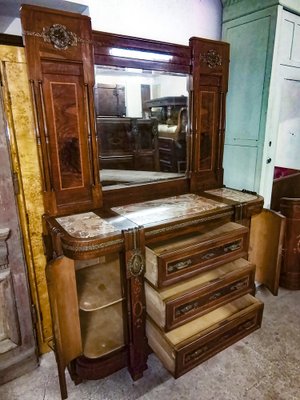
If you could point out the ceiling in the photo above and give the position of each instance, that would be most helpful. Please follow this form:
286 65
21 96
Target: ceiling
9 9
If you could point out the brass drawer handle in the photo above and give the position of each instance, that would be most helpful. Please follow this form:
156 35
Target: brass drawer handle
208 256
180 265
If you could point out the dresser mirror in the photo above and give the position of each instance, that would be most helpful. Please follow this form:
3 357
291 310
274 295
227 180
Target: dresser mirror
142 102
142 122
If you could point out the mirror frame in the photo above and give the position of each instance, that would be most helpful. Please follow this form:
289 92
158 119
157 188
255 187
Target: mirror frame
180 63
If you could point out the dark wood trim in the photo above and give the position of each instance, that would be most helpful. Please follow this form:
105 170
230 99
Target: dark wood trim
11 40
103 42
145 192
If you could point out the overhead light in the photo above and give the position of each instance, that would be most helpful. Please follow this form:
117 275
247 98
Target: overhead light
141 55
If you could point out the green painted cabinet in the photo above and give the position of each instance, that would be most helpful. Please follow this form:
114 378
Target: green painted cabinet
264 39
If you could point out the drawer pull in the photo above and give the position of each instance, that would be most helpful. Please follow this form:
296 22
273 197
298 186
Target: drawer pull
196 354
198 303
232 246
193 356
208 256
184 309
180 265
239 285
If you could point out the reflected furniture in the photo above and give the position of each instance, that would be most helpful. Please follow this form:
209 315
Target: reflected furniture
128 143
171 113
161 264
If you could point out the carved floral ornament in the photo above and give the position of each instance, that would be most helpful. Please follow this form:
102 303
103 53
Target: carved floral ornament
211 58
59 36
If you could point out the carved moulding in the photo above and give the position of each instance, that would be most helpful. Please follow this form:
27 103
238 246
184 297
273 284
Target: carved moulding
4 233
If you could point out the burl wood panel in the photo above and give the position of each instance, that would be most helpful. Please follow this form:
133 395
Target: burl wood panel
25 164
15 315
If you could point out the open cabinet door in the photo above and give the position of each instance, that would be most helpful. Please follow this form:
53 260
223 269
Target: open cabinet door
62 291
265 247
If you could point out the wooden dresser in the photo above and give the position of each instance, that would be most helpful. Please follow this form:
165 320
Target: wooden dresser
161 264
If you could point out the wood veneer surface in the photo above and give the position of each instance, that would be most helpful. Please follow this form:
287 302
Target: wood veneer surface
99 285
102 330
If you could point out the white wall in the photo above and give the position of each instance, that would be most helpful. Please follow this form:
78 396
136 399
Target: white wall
172 21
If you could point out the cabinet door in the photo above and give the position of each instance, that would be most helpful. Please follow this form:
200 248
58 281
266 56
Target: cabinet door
251 39
265 247
62 290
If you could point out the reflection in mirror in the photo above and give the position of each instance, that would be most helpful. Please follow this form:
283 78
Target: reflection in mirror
141 125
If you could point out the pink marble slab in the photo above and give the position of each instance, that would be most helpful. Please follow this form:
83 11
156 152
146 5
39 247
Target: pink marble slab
231 194
85 225
168 208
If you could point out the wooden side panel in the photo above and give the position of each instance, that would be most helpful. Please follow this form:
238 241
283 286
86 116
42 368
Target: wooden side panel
210 61
265 247
59 54
290 273
62 290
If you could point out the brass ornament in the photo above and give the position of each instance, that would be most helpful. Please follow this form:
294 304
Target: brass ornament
136 263
211 58
59 36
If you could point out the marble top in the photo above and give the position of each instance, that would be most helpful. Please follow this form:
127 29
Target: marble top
171 207
85 225
231 194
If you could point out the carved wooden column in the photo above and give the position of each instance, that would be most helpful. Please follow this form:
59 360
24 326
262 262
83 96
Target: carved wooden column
210 61
135 268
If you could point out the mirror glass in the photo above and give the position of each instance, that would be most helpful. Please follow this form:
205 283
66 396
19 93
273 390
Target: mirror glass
142 123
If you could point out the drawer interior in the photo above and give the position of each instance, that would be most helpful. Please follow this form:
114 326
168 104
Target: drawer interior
168 261
199 294
200 339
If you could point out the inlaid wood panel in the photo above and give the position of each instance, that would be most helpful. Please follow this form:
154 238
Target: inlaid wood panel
210 74
59 54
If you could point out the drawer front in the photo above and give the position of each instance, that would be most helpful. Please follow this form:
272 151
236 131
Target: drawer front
205 347
172 268
203 300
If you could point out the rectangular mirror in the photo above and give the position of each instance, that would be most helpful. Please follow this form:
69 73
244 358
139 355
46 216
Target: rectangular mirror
142 123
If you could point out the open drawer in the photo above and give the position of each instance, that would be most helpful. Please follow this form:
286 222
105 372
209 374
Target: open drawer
170 261
175 305
183 348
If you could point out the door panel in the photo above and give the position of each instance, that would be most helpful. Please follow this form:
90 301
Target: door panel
265 247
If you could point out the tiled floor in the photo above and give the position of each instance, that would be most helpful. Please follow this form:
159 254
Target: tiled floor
263 366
